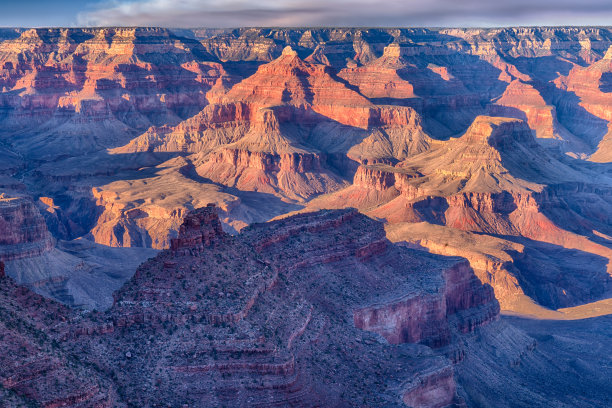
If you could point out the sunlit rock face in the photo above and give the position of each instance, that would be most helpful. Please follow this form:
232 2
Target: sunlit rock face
23 231
497 179
492 145
74 91
117 133
314 308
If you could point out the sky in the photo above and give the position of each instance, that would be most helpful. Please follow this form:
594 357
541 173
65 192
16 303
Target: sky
356 13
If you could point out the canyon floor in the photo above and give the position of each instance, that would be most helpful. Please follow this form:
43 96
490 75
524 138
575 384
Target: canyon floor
248 212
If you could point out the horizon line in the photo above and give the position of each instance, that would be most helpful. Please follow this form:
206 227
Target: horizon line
429 27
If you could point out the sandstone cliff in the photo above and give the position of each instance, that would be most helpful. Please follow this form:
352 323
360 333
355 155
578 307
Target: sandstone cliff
70 91
79 274
24 233
265 121
317 309
281 326
495 179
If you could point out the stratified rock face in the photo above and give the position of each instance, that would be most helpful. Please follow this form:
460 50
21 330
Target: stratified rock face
278 315
119 133
201 228
80 274
69 91
429 316
271 317
35 369
591 85
263 122
496 179
268 132
292 129
23 232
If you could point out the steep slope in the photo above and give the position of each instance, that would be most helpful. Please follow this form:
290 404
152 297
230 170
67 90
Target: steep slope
380 78
35 370
494 155
319 310
528 277
489 256
288 97
284 326
23 230
591 112
507 368
76 273
70 91
522 101
292 130
603 154
496 179
340 104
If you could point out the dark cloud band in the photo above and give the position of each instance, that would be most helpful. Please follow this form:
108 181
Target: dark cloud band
217 13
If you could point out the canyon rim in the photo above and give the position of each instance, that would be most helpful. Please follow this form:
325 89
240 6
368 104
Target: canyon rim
305 217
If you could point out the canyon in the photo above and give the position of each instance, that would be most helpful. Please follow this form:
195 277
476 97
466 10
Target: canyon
196 217
274 316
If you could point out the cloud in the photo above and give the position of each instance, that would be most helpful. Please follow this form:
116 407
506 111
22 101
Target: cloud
270 13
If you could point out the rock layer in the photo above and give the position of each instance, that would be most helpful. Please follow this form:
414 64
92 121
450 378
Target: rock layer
282 328
24 233
259 334
495 179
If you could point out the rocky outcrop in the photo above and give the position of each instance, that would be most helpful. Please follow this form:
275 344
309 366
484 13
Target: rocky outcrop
201 228
24 233
265 318
495 179
294 175
260 333
380 79
426 319
522 101
78 274
431 390
93 88
269 130
36 369
488 256
121 132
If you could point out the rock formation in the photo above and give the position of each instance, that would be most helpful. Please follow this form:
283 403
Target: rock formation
488 144
36 370
75 91
522 101
496 179
75 273
119 132
274 315
24 233
279 111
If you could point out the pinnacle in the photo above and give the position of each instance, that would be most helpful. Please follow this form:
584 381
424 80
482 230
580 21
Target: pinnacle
289 51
